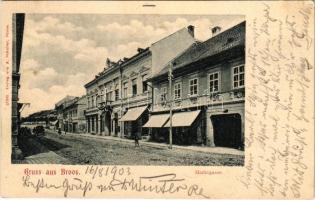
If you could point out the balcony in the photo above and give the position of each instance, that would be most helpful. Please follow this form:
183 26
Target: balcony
105 105
135 100
203 100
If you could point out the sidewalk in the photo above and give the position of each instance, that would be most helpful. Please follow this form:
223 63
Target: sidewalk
217 150
40 154
46 158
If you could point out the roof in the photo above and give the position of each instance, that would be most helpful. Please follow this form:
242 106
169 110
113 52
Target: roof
121 63
71 103
65 99
225 40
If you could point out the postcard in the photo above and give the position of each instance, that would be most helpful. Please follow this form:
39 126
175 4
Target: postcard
154 99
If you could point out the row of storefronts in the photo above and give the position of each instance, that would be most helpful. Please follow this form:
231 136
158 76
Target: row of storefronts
135 96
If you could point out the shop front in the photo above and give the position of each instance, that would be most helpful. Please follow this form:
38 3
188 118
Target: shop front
133 121
187 127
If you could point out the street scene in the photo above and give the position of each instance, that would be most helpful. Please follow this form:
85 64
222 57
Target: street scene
137 90
77 149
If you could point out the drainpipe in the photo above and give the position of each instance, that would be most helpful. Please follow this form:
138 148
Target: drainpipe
170 77
121 103
152 104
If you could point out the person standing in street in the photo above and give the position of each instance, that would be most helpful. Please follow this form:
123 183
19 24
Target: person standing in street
136 137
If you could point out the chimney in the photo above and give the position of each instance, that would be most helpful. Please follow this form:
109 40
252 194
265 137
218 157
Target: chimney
140 50
108 62
191 30
215 30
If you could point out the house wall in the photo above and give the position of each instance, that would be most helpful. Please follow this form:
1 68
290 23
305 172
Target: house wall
228 104
225 80
136 70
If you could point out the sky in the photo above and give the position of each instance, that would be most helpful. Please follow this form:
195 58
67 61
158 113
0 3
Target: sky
62 52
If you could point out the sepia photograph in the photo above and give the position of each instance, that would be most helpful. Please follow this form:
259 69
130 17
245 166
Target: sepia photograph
128 89
111 99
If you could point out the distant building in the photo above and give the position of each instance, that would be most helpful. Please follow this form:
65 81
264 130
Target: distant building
59 107
73 115
119 98
207 94
43 117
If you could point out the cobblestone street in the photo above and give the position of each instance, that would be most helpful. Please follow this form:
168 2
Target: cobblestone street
77 149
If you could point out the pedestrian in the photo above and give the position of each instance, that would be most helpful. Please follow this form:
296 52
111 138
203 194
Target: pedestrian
137 137
59 131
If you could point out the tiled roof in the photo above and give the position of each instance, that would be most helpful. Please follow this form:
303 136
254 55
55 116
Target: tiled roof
223 41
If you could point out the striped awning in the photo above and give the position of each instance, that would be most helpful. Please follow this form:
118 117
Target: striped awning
54 122
157 121
183 119
133 114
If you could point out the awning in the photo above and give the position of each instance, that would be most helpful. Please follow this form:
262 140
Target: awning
183 119
157 121
133 114
55 122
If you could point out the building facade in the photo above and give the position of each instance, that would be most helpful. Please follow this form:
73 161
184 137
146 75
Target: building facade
17 40
119 98
207 93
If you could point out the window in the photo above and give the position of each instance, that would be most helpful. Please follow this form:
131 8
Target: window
177 90
238 76
125 94
144 84
92 101
109 96
163 93
193 87
116 94
89 104
214 82
134 87
102 95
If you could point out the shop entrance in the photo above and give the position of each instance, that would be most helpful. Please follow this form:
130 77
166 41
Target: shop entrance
227 130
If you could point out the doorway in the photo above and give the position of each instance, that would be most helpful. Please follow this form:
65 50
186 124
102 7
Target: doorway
227 130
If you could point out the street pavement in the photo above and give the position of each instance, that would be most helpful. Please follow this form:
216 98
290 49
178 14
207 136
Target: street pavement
206 149
106 150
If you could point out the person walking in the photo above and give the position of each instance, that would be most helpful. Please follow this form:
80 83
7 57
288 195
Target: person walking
137 137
